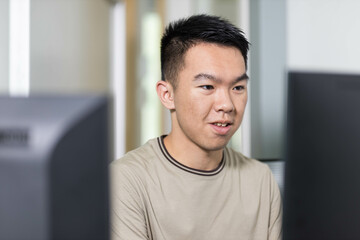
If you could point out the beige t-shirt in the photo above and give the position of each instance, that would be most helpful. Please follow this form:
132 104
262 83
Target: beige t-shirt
156 197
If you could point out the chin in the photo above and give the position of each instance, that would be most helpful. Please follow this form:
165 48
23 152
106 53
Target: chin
218 145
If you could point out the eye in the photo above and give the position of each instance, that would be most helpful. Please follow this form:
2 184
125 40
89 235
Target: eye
239 88
207 87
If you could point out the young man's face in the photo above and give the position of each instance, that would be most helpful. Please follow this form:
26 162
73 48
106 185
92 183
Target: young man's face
210 97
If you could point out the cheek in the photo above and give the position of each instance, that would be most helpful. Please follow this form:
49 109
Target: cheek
200 105
242 102
192 106
240 107
190 100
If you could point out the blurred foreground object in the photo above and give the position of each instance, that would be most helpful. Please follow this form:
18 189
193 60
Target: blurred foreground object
322 180
54 154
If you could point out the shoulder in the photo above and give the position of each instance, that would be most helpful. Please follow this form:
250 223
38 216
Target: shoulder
245 164
254 173
136 162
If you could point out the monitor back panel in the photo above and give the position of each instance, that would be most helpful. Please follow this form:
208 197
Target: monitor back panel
322 172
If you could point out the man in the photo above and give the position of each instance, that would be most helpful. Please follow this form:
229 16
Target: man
188 184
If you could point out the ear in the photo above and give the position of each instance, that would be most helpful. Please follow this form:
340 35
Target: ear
166 94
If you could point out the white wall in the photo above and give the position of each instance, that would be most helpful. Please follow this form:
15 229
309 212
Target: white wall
267 77
118 75
69 46
176 9
4 46
323 35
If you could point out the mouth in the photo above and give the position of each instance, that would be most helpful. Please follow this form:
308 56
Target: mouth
221 124
221 128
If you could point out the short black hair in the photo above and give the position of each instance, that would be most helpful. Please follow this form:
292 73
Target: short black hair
180 35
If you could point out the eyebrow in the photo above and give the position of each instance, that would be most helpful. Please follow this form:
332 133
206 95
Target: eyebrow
218 80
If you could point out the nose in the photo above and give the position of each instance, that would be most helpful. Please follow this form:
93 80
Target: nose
224 102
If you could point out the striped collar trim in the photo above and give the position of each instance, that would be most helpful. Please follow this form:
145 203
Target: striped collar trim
185 168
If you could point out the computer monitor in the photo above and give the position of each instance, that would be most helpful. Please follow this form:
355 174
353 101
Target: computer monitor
54 155
322 163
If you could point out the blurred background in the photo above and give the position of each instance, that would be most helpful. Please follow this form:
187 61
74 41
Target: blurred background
112 47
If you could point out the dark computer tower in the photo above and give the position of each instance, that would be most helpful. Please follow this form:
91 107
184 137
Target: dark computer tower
54 155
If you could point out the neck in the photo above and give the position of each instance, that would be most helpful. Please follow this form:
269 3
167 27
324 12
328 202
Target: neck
191 155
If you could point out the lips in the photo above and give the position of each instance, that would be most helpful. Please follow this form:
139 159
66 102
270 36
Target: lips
221 127
221 124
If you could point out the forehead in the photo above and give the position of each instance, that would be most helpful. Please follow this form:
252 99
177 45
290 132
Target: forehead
214 58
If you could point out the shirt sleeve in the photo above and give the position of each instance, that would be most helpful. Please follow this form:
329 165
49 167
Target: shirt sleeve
275 224
127 209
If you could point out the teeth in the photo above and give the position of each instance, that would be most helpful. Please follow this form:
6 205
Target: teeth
221 124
